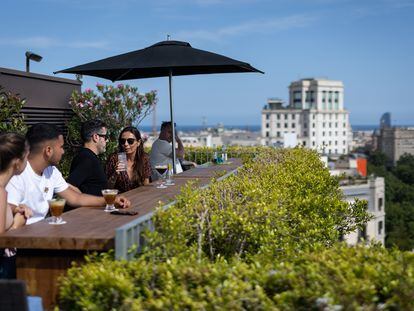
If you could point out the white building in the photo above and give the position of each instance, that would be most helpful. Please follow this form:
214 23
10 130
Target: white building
373 192
315 114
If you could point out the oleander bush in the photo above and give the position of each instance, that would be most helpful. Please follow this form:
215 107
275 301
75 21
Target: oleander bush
11 119
264 239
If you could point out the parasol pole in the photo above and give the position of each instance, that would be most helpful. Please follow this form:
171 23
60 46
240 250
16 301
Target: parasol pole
172 123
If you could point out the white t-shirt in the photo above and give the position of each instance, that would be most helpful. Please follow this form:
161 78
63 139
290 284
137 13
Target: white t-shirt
161 154
34 190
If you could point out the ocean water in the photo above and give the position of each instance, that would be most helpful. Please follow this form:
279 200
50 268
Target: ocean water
195 128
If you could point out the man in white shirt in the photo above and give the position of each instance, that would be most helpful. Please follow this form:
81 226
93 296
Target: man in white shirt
41 179
161 150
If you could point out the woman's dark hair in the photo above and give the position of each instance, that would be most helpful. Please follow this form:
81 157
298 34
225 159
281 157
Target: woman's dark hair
138 166
12 146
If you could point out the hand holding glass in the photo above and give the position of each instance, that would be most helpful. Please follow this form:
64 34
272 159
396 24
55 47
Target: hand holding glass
122 161
56 207
110 196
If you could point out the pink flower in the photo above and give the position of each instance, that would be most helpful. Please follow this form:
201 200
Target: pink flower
120 86
88 90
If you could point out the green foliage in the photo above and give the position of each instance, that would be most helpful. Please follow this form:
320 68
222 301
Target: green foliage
339 278
118 106
399 200
279 201
11 120
264 239
202 155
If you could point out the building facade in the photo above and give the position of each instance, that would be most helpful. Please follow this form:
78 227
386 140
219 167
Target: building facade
373 192
315 115
395 141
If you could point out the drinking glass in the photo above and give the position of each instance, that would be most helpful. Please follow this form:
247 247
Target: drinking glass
110 196
122 159
162 170
56 207
169 177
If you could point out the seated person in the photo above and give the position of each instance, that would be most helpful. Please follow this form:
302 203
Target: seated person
138 170
41 179
86 170
161 151
13 160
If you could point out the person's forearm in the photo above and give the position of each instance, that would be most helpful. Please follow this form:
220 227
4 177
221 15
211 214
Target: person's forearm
180 150
89 200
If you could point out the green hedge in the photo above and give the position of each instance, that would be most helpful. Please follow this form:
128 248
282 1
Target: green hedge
338 278
265 239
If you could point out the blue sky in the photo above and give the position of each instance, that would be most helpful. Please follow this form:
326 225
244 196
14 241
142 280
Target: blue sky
368 44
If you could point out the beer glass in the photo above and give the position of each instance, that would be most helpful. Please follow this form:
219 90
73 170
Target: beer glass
110 196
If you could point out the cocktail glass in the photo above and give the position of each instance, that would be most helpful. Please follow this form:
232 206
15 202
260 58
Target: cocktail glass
162 170
56 207
110 196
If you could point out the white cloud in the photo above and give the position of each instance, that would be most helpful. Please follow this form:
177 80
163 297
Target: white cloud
48 42
251 27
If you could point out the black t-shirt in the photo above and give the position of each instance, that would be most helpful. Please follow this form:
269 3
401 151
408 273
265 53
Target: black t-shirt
87 173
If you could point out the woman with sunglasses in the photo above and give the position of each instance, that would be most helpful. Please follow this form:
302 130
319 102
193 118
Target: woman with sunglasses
138 169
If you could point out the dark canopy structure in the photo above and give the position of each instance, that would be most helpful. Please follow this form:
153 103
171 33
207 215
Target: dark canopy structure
166 58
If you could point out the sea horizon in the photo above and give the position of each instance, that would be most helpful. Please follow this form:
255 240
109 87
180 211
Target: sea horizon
253 127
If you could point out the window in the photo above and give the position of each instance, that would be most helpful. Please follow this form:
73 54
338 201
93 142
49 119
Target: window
343 150
278 125
330 133
336 124
278 116
323 96
323 124
278 134
286 116
336 98
330 124
313 143
313 125
344 133
313 117
267 134
267 116
293 125
286 125
305 133
323 133
344 124
380 203
304 143
336 144
329 143
330 97
305 125
380 227
344 142
313 133
293 116
267 125
297 96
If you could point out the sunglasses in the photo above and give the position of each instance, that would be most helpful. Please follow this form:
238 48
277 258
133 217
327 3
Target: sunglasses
130 141
106 136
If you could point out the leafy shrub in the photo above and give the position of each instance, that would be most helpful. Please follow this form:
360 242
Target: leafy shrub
339 278
11 120
118 106
279 201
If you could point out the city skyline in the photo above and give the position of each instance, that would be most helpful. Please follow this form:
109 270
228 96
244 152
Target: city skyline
366 45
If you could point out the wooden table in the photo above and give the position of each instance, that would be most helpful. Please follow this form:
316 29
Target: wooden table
46 251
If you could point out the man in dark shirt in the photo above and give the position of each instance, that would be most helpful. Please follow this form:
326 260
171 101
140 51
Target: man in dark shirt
86 171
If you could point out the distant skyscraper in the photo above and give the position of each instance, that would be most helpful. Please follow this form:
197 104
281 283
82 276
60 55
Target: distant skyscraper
315 113
385 121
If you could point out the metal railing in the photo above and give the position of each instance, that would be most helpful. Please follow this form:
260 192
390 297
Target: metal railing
129 238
